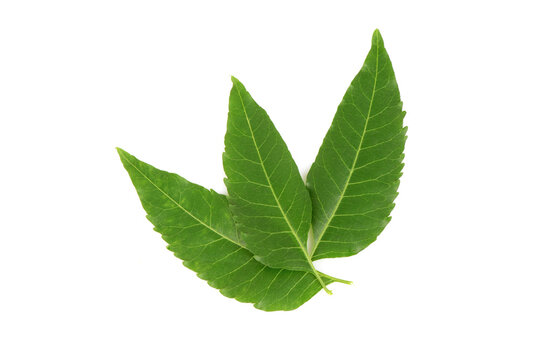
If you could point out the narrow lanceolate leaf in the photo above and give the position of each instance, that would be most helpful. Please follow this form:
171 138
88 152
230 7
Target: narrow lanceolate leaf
268 197
199 228
354 179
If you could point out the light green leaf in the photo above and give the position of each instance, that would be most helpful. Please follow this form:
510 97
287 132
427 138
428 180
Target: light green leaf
199 228
354 179
268 198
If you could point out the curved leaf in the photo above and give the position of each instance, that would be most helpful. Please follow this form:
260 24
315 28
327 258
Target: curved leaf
354 179
199 228
267 195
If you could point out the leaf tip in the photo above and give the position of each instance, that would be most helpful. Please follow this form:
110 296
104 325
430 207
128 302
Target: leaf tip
377 38
234 80
125 157
121 152
237 84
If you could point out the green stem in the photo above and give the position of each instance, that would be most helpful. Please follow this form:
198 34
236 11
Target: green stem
335 279
317 275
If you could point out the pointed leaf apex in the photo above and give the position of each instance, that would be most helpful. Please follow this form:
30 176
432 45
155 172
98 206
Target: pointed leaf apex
237 84
235 81
121 151
377 38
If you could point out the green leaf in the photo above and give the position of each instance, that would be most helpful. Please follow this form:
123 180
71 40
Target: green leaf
354 179
253 245
268 198
199 228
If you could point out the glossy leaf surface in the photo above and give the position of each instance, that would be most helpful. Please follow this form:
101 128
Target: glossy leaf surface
354 179
268 198
199 228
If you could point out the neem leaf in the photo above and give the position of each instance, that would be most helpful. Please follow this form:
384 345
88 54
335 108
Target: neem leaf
253 245
354 179
199 228
268 198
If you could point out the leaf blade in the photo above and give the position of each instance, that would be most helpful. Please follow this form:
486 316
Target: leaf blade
199 229
268 197
354 179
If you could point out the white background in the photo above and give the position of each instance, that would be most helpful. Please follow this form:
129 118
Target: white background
84 276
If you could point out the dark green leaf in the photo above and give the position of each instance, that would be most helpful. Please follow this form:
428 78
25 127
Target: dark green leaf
354 179
198 226
268 197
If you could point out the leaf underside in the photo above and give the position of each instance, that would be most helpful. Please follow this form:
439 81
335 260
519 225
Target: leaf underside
354 179
199 228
